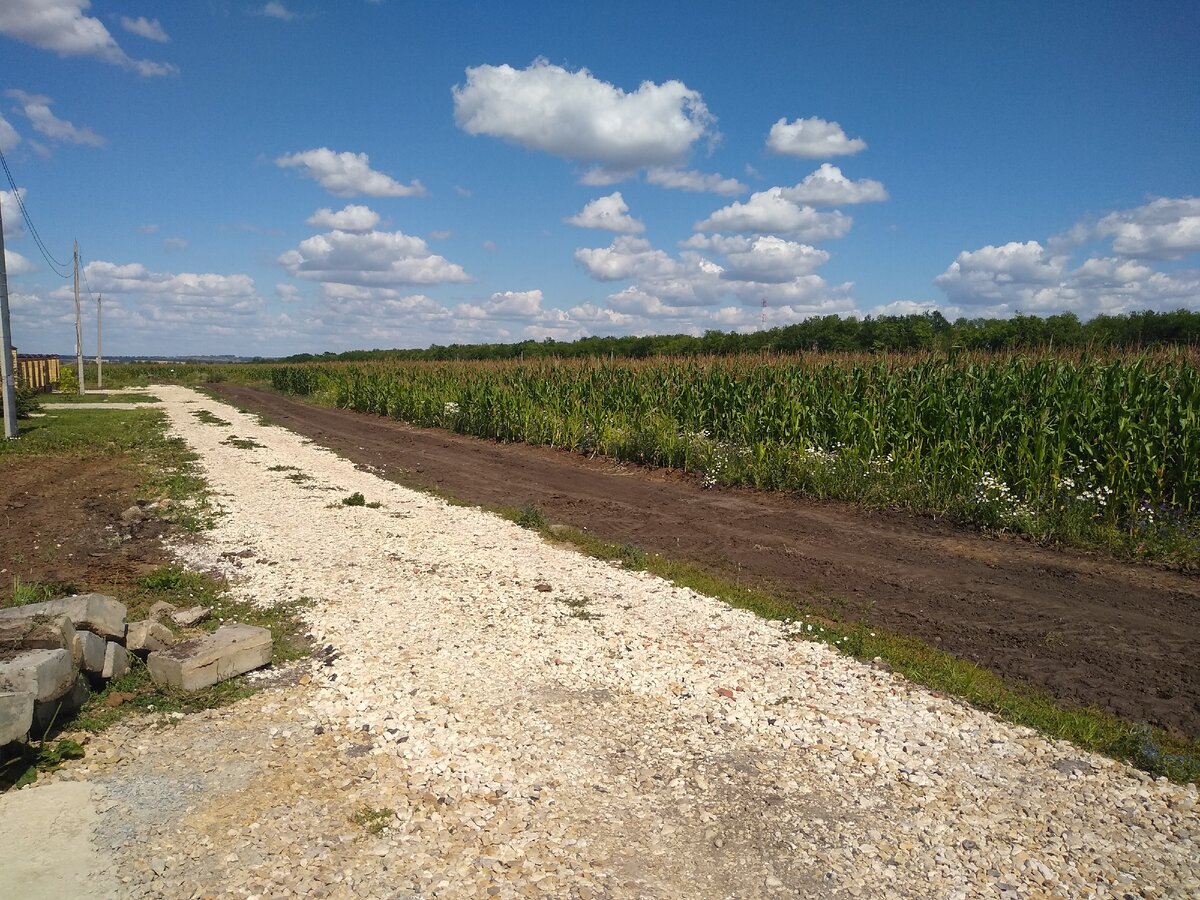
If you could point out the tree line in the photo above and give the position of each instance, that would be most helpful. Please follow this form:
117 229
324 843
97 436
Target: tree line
922 331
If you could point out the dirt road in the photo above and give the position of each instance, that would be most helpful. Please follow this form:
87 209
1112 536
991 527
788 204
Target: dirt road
1091 630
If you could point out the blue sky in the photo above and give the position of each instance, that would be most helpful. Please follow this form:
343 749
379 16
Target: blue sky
268 178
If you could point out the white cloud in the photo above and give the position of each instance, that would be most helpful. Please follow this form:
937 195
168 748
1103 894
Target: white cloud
829 187
175 243
505 305
277 10
352 217
772 211
148 229
150 29
63 27
610 213
135 278
1027 277
696 182
376 258
441 234
347 174
812 139
1161 229
288 293
577 116
9 136
767 258
625 257
14 222
17 264
37 110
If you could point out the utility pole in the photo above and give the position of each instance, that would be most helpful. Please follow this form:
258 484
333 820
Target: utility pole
762 322
6 351
78 324
99 345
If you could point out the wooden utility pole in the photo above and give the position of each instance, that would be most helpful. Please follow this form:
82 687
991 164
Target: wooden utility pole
9 386
78 324
99 345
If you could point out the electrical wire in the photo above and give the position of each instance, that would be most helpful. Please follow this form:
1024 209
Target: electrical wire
55 264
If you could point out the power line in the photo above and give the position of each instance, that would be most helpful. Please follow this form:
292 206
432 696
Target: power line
56 265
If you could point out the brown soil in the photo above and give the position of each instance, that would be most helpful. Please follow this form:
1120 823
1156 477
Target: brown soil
60 525
1089 629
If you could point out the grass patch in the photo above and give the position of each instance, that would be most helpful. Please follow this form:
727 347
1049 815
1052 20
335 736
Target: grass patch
26 592
28 760
66 399
577 608
372 820
242 443
209 419
355 499
282 469
530 517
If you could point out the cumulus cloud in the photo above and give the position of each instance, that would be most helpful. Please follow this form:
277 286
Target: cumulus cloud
376 258
1032 278
829 187
288 293
9 136
625 257
812 139
14 223
352 217
610 213
766 258
577 116
347 174
696 182
17 264
63 27
150 29
772 210
37 110
505 305
1161 229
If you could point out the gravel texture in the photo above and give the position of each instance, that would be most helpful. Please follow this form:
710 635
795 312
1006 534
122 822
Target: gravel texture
492 716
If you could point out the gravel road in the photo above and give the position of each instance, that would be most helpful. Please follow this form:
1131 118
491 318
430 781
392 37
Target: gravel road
544 724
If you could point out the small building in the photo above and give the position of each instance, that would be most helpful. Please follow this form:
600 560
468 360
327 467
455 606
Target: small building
39 371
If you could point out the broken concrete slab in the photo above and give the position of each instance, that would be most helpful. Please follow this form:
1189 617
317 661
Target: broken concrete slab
16 716
116 661
147 636
161 609
89 651
47 674
185 618
35 632
201 662
98 613
47 712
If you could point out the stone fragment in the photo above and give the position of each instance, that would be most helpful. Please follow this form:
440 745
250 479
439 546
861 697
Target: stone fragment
147 636
201 662
116 661
47 712
97 613
160 609
185 618
47 674
35 632
89 650
133 515
16 716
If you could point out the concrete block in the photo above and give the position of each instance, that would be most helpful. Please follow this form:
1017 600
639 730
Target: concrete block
147 636
51 712
96 613
89 651
16 716
201 662
116 661
47 674
185 618
35 632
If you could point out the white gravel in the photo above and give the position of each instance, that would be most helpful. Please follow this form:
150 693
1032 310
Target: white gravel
610 736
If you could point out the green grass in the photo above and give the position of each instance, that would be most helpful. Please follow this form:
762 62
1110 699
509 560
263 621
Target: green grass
372 820
242 443
88 432
51 400
355 499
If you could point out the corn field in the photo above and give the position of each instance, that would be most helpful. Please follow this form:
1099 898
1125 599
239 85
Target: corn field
1003 437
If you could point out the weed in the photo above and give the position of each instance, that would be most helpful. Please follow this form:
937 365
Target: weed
242 443
531 517
209 419
578 609
633 557
282 468
355 499
372 820
374 504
